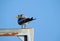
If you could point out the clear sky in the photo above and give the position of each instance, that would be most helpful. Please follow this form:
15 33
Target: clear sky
46 12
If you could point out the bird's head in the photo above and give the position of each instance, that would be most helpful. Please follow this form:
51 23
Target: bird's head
19 16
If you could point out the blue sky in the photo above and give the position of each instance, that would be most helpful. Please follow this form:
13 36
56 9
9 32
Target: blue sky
46 12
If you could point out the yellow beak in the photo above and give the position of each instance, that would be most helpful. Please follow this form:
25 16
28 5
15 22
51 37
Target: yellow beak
16 16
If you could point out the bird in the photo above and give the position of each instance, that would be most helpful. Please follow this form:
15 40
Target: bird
23 21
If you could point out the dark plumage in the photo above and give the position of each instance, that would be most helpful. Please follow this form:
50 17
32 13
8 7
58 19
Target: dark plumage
22 20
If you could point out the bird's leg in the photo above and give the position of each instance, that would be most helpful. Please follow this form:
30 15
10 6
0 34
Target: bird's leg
21 26
24 25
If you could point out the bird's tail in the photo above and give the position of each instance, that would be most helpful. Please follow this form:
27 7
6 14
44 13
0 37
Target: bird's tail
33 18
